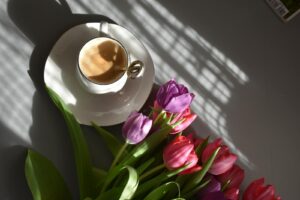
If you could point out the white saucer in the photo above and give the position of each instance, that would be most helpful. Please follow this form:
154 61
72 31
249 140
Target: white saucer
105 109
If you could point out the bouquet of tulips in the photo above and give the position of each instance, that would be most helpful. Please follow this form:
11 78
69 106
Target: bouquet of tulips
157 159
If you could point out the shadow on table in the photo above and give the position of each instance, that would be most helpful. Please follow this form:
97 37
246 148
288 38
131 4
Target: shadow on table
43 22
12 178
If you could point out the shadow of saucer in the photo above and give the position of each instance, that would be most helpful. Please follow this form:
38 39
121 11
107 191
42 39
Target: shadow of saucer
43 22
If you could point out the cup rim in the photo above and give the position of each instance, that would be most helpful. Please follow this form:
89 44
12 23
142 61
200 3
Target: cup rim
99 83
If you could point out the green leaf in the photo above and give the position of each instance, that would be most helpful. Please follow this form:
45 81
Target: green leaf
145 187
129 188
162 190
113 144
144 166
131 185
44 180
100 176
87 186
149 144
200 148
196 190
198 176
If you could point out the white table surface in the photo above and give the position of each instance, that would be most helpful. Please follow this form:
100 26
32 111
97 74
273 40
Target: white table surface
239 59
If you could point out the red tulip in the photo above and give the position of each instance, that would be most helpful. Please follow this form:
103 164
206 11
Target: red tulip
257 191
235 175
232 194
181 152
223 161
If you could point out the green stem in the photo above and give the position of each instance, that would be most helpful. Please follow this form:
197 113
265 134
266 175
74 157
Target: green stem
158 117
118 156
225 185
148 173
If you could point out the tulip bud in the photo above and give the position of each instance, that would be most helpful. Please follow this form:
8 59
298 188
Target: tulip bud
180 152
174 97
235 175
136 128
257 190
186 117
224 159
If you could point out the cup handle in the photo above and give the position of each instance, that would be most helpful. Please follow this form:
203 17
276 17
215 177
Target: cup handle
135 69
103 29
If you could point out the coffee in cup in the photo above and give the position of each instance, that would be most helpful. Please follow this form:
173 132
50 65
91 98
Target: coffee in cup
103 60
104 64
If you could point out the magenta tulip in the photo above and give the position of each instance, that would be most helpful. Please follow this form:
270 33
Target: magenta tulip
223 161
136 128
235 175
174 97
257 191
180 152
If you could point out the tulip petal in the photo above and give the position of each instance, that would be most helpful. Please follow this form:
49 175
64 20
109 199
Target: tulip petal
181 127
232 194
179 103
136 128
235 175
221 165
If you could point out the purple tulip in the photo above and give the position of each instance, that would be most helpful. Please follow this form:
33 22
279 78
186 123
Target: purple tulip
212 186
174 97
136 128
212 191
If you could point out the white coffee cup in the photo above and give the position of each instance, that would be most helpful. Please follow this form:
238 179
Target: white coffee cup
104 64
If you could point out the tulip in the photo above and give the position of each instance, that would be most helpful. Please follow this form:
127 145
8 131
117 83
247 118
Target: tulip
257 191
232 194
224 159
181 152
136 128
235 175
195 140
174 97
184 119
213 186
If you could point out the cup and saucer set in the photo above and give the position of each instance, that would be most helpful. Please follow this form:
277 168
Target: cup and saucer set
101 95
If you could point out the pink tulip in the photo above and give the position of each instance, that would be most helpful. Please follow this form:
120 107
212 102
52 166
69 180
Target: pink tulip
232 194
235 175
223 161
257 191
185 117
195 140
181 152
